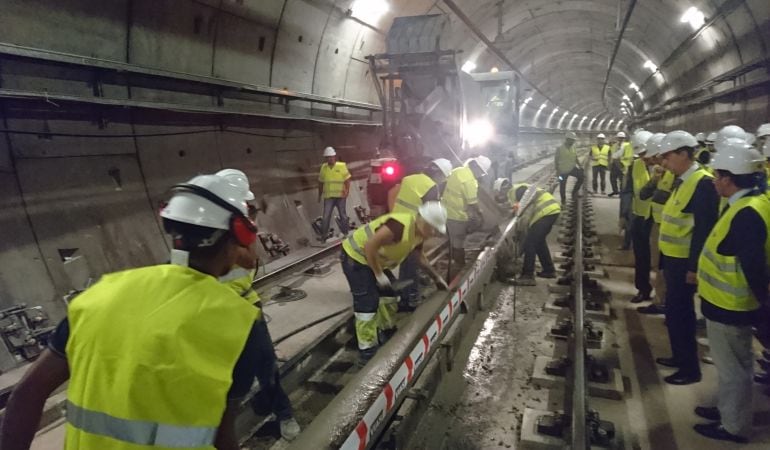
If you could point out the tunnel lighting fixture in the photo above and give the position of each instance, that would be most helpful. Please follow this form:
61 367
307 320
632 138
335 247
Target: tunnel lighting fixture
478 132
634 87
694 17
494 70
625 97
468 67
639 93
543 105
369 11
650 65
556 109
527 100
507 87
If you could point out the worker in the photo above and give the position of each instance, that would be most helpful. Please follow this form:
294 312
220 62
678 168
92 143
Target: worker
763 145
732 284
333 186
600 161
407 197
462 205
271 398
710 139
657 191
622 157
567 165
641 216
134 344
687 218
546 212
375 248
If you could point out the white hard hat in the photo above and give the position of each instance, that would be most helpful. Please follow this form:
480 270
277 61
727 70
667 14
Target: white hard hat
483 162
738 157
329 151
700 137
676 140
638 141
711 138
730 131
239 179
751 138
444 165
570 135
766 149
763 130
653 144
435 214
500 185
189 206
620 135
601 136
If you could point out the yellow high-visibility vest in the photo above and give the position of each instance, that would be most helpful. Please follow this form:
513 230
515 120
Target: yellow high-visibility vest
333 179
545 204
641 175
721 281
665 184
566 159
389 256
151 353
600 156
240 280
413 188
676 226
628 156
461 190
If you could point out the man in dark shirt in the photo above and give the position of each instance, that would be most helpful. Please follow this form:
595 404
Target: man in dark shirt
732 282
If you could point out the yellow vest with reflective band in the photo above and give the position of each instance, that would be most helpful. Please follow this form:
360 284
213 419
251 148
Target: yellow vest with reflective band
665 184
641 175
767 173
720 278
461 190
151 353
545 204
240 280
566 159
600 156
628 156
389 256
676 226
413 189
333 179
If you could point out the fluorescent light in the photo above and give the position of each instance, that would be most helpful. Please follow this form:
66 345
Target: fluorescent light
694 17
468 67
494 70
544 105
639 93
625 97
369 11
478 132
527 100
556 109
650 65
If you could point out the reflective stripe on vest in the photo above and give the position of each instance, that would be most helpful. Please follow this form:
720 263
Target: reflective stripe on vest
389 256
641 176
461 190
413 189
545 206
600 156
334 179
628 156
721 280
139 432
664 184
676 226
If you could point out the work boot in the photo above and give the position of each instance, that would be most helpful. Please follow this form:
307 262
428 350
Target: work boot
640 297
549 274
716 431
364 356
651 309
384 335
290 429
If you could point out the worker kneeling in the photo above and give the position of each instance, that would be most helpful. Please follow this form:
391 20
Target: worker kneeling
372 251
546 211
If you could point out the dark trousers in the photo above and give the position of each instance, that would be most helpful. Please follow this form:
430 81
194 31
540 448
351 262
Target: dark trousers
616 176
329 205
578 174
599 173
535 244
640 239
680 315
271 397
408 271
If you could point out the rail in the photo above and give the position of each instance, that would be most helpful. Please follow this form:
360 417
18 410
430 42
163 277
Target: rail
580 440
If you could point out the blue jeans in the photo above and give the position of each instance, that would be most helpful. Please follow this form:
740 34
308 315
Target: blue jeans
329 205
271 397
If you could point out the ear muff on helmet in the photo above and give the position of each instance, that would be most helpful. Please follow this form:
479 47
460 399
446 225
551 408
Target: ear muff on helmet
242 228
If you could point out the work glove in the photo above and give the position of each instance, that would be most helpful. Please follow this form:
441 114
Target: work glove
382 280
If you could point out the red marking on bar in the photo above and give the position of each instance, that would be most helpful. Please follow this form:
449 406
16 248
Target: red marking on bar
409 368
362 430
427 344
388 396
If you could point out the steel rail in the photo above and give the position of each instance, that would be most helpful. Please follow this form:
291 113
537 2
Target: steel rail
580 440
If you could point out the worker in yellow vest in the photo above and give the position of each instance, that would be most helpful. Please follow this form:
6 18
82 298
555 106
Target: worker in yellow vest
407 197
621 158
600 162
134 344
732 284
567 165
370 252
462 204
687 218
271 398
763 145
546 212
641 216
657 191
333 186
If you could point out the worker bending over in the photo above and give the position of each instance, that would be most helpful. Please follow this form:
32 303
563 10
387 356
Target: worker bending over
158 356
462 205
600 161
567 165
381 245
732 283
333 186
407 197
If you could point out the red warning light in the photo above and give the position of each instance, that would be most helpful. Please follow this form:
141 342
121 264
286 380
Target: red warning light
390 170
